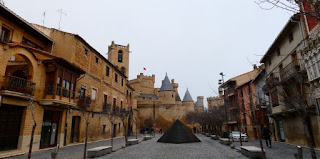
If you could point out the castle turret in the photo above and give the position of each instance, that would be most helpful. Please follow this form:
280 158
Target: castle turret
167 93
198 106
118 55
188 101
175 87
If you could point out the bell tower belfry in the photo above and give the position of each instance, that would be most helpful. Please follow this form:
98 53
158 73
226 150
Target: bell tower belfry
118 55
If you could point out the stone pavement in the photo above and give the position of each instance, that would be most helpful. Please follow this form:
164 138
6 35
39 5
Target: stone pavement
152 149
76 151
279 150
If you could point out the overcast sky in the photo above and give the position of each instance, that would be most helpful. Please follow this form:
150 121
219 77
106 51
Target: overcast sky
192 40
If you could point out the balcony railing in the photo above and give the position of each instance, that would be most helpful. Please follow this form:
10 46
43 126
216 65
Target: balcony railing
271 81
84 102
292 68
64 93
106 107
17 84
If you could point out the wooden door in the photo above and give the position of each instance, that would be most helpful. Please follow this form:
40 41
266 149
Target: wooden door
75 129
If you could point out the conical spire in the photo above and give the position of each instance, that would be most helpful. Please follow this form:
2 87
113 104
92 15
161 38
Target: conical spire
166 84
187 97
198 103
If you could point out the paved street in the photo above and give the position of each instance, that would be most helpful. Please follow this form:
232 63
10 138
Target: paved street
279 150
153 150
76 151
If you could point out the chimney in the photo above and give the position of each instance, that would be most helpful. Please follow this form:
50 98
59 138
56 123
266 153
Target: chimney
255 67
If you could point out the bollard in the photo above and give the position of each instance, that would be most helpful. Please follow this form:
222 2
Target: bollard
299 155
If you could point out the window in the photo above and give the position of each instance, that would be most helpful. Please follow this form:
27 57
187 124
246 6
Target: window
116 77
119 127
94 94
120 56
107 71
278 51
290 36
123 70
85 52
5 34
274 98
269 62
114 103
121 104
97 60
82 92
30 43
105 102
122 82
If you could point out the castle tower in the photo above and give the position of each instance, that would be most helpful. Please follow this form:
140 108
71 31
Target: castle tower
187 99
177 96
118 55
166 92
198 106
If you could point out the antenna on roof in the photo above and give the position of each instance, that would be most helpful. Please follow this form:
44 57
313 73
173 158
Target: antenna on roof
43 17
61 12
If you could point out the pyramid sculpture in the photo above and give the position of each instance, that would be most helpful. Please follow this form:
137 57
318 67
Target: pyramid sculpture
178 133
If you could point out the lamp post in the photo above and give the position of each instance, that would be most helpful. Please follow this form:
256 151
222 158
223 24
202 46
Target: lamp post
221 83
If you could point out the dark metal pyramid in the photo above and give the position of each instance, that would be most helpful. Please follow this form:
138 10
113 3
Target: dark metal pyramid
178 133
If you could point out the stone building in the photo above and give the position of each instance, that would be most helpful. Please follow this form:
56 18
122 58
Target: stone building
288 87
50 71
162 106
214 102
198 106
240 102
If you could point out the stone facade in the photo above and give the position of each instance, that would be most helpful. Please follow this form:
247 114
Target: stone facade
161 105
214 102
287 74
50 71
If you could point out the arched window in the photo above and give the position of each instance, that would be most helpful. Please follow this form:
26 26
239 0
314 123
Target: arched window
120 56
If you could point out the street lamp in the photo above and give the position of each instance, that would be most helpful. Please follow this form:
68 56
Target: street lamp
221 83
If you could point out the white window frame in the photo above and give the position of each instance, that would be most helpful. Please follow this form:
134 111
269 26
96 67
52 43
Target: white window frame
94 95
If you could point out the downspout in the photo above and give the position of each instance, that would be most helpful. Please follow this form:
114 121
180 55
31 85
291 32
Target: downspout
52 47
66 128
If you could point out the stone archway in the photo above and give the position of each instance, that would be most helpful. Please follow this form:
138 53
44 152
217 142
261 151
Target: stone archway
18 76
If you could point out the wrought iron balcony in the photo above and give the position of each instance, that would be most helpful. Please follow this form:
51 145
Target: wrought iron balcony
17 84
106 107
84 102
271 81
291 69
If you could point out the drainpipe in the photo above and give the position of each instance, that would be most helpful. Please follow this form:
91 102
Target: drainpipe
66 128
52 47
